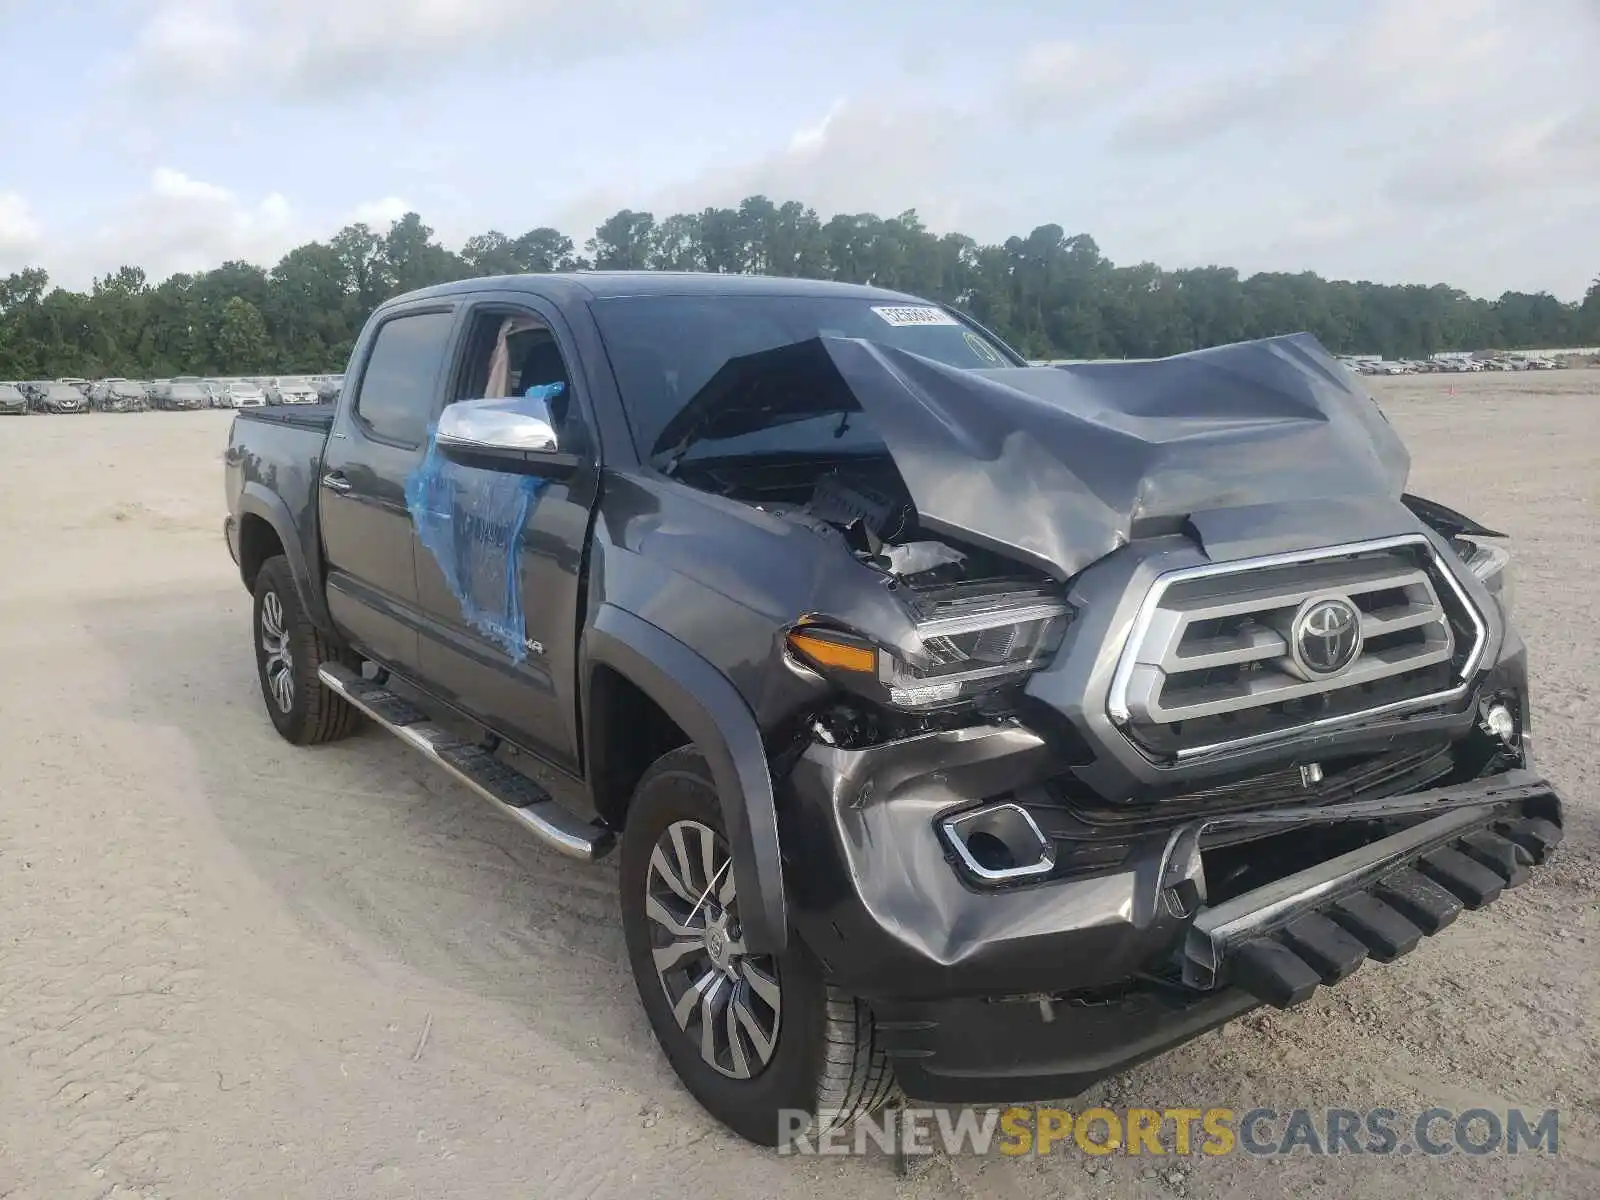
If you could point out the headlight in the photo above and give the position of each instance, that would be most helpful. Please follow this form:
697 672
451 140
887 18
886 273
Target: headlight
1492 565
966 649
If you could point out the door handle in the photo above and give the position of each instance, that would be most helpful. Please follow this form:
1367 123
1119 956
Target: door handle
335 481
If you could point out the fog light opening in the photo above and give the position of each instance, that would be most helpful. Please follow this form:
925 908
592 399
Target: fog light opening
1499 721
999 843
989 852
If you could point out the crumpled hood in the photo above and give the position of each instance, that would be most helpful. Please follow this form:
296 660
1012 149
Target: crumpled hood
1258 445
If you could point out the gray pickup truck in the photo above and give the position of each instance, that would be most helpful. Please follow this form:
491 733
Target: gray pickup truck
962 725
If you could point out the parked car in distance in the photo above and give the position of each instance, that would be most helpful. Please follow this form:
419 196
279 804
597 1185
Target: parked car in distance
290 389
122 395
61 398
328 388
73 381
97 390
909 774
243 394
183 397
13 402
216 391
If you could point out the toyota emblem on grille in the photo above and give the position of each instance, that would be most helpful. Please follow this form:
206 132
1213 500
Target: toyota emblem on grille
1326 636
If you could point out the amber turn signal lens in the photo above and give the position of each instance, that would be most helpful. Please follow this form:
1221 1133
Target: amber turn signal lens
815 648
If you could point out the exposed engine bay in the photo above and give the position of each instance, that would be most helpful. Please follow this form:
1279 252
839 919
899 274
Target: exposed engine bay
865 502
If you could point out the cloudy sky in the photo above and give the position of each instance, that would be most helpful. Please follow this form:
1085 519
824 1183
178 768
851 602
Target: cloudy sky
1396 140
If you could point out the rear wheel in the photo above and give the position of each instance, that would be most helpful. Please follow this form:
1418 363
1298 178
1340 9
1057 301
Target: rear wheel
289 650
770 1048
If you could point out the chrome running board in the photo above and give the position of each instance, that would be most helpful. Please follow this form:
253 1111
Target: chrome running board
509 790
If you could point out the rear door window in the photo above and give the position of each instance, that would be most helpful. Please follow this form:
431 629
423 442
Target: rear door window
400 387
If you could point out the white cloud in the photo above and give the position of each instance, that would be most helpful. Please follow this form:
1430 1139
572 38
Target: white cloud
318 48
860 156
1431 140
940 157
19 232
1542 156
1410 53
810 137
1058 80
186 224
190 41
168 184
380 214
177 223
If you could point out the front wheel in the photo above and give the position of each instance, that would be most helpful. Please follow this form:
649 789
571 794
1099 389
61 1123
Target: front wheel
763 1042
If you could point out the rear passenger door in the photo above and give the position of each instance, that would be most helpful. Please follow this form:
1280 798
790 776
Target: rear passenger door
377 440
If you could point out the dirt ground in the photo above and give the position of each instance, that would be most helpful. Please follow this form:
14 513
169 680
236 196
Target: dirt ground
233 968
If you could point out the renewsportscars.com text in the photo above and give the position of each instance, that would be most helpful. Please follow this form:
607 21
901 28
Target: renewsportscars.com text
1041 1130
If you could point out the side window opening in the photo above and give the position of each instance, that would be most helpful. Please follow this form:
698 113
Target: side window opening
399 385
510 353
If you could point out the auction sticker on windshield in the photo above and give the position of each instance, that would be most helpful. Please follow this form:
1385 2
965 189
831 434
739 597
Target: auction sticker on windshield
914 314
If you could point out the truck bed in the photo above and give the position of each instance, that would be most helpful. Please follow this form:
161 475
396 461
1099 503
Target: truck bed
271 470
301 416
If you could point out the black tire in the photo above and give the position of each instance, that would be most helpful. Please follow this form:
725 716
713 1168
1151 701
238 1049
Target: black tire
289 649
826 1061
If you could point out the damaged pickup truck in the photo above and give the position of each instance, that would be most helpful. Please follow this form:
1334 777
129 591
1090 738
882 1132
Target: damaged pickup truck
972 726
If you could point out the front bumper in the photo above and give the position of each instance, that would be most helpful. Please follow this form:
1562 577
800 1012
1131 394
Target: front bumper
1036 991
1025 1048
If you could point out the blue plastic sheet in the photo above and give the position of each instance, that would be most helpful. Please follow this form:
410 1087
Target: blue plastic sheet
471 521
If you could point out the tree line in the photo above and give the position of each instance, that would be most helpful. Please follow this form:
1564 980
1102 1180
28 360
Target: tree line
1050 294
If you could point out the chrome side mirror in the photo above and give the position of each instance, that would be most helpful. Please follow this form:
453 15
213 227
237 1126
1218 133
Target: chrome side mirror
514 434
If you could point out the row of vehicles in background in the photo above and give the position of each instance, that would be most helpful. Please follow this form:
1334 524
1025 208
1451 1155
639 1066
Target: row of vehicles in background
1452 363
178 394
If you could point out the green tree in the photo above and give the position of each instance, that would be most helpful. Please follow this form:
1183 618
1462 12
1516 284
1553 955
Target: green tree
1589 316
1051 293
623 242
360 254
242 338
411 259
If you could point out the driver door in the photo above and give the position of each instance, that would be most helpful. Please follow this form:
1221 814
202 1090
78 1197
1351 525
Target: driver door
532 697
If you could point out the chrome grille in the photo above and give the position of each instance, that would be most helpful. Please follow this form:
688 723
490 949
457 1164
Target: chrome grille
1210 663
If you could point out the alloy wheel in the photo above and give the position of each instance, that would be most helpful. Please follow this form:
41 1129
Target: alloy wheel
723 998
277 664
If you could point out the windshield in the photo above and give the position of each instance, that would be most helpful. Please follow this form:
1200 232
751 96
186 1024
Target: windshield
63 391
294 382
126 389
244 389
664 349
186 391
8 392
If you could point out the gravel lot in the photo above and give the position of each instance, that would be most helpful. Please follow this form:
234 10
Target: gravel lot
233 968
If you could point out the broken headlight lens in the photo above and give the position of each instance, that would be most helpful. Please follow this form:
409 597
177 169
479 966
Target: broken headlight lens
1492 565
963 651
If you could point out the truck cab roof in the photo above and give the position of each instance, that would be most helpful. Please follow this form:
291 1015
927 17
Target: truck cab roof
597 285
